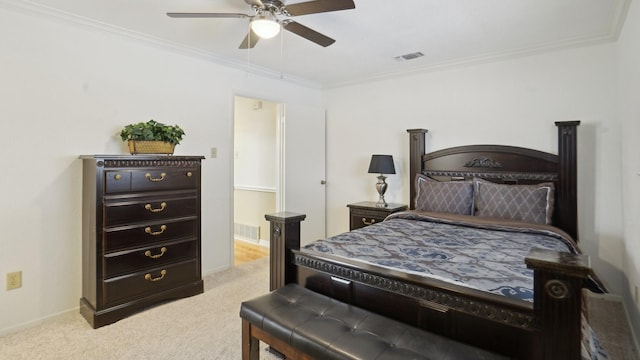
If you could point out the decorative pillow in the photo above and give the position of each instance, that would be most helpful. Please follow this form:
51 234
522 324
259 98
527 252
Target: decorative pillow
455 197
530 203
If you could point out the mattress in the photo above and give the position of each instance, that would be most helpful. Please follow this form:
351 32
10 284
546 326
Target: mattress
481 253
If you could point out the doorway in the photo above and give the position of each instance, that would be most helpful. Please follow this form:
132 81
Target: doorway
255 178
278 165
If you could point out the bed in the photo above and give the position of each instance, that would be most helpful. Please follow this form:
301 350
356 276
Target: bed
509 278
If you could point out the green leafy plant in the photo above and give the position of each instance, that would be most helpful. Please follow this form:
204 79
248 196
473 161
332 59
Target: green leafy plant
152 131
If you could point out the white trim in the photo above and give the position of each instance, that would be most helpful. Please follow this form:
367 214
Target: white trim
254 188
32 8
41 320
611 36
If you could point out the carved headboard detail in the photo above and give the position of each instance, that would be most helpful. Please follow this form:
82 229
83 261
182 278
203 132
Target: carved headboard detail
484 163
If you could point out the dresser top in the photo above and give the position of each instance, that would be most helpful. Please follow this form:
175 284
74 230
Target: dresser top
371 205
143 157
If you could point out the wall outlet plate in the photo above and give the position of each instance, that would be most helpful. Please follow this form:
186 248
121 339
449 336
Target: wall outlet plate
14 280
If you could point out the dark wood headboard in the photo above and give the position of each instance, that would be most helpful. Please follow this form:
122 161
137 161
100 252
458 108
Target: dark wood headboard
509 165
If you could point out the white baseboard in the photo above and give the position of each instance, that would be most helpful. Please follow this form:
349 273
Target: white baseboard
39 321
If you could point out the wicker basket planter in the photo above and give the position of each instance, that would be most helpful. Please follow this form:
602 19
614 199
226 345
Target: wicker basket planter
150 147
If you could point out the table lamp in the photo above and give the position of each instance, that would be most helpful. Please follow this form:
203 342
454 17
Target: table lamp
381 164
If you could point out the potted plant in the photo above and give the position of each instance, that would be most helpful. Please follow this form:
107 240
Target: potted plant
151 137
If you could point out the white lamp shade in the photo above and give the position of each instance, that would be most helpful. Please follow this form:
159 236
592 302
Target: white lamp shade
265 27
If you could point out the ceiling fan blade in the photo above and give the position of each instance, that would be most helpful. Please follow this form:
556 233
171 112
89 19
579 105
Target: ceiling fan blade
319 6
207 15
308 33
254 2
250 40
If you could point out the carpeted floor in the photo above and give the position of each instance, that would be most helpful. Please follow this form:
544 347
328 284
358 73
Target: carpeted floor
608 317
208 326
205 326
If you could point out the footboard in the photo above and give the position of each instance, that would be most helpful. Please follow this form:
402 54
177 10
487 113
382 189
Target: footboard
550 328
558 280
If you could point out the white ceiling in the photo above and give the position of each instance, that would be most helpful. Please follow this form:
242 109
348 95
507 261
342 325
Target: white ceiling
368 38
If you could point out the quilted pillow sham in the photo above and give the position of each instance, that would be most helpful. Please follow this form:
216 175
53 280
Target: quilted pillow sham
453 197
530 203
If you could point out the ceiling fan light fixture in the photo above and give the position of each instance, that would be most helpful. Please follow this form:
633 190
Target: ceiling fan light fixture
265 26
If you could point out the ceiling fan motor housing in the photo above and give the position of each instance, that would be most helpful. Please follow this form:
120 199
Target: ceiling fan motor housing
274 7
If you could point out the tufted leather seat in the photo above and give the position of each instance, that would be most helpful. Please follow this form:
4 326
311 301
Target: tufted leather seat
322 328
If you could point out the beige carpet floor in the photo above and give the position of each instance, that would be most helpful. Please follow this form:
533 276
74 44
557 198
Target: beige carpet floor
608 317
205 326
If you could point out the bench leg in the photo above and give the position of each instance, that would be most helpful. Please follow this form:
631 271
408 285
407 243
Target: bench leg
251 338
250 345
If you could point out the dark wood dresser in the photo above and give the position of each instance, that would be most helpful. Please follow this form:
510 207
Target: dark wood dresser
140 233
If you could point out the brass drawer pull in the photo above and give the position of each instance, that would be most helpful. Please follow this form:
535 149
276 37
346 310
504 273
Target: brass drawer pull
162 274
117 176
189 174
162 176
162 251
364 221
162 229
162 206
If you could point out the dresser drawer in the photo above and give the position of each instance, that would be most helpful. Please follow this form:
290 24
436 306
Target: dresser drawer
158 207
118 181
121 262
367 213
359 220
120 288
156 232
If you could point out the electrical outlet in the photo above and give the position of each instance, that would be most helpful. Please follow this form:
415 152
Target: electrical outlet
214 152
14 280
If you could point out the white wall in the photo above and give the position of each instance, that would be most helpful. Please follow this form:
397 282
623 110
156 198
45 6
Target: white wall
66 90
629 111
512 102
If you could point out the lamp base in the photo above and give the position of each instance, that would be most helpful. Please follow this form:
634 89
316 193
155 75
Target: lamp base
381 203
381 186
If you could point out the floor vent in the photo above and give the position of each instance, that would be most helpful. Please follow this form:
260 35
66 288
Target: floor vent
246 232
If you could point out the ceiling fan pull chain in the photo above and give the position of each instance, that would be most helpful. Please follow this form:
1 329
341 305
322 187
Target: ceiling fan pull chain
281 55
249 49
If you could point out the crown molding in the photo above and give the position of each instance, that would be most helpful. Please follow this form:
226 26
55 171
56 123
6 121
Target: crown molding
617 22
29 8
618 18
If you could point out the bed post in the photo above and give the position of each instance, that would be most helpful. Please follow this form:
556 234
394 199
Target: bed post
567 215
557 286
416 150
284 236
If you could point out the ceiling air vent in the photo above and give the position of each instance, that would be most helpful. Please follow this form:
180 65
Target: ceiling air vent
411 56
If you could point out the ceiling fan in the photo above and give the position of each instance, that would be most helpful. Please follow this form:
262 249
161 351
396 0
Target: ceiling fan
271 15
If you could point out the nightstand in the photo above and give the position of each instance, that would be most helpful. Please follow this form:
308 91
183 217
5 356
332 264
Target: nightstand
366 213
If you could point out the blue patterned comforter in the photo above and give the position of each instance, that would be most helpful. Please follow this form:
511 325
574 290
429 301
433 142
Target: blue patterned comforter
465 250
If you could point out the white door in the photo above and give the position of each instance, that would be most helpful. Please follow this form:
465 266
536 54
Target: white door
304 168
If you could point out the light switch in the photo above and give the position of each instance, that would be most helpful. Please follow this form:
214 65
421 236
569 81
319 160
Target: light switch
214 152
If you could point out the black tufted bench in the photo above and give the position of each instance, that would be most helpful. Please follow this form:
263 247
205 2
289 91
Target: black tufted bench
303 324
